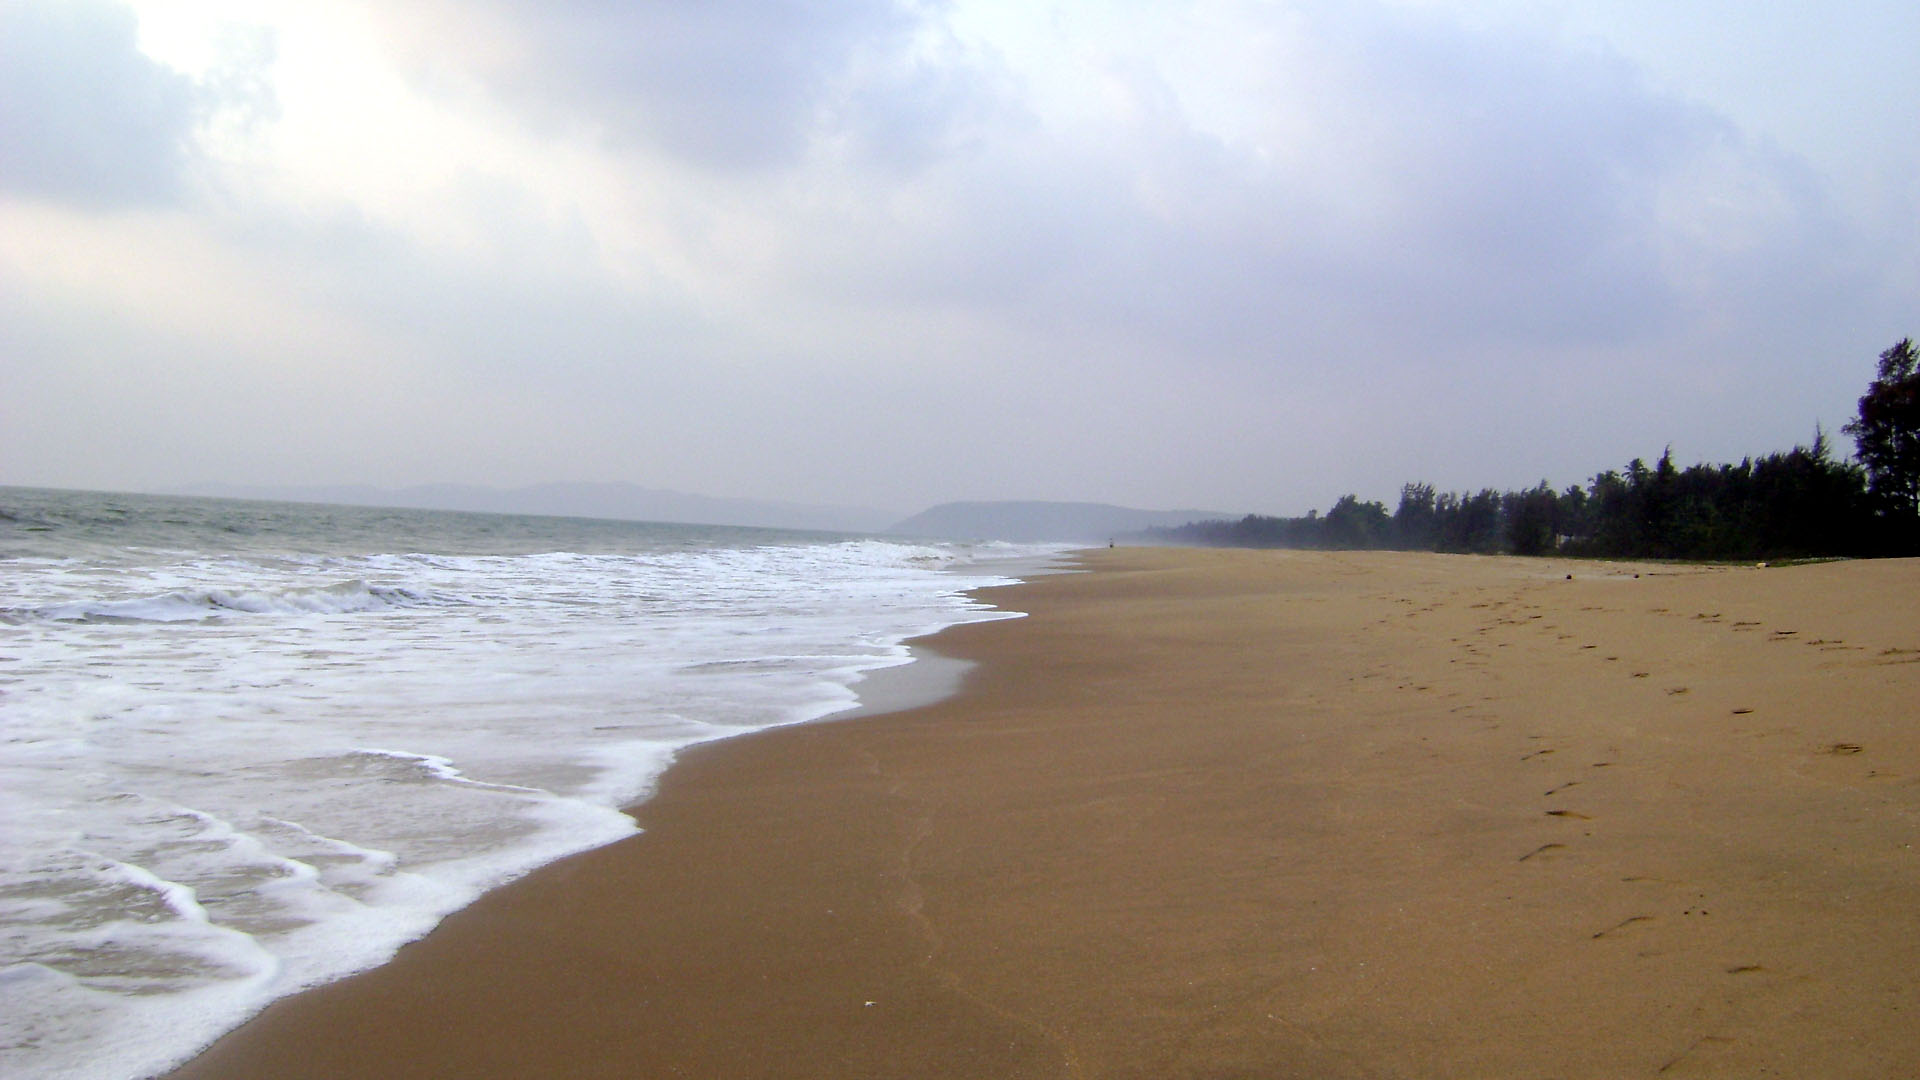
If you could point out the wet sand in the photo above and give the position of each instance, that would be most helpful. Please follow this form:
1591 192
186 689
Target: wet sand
1247 814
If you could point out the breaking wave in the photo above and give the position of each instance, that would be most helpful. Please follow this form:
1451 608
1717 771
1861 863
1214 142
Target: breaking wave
192 605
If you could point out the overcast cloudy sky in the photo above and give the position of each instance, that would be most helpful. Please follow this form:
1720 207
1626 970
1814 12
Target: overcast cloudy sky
1222 253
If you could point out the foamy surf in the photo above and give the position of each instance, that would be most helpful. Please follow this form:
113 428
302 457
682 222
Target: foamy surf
183 605
238 770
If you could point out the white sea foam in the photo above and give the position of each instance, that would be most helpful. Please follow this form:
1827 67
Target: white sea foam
231 775
185 605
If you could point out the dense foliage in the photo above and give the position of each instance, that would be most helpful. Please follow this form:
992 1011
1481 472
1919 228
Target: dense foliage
1797 504
1887 431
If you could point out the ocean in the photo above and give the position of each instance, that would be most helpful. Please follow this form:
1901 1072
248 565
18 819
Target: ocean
247 748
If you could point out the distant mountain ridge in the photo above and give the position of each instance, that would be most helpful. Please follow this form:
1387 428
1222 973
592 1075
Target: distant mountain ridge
617 501
1044 522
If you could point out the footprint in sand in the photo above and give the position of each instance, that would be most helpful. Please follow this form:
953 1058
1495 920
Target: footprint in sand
1704 1042
1622 925
1543 851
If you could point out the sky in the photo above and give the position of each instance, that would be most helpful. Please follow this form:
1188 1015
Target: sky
1224 254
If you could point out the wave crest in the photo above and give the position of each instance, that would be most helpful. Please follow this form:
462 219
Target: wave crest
188 605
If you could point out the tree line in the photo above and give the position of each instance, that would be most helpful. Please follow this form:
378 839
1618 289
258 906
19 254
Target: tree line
1801 503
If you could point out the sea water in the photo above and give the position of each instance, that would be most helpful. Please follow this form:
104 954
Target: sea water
246 748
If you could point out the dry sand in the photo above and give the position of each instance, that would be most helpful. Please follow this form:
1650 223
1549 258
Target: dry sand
1247 814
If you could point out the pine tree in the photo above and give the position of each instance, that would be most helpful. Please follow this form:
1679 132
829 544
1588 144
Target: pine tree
1887 431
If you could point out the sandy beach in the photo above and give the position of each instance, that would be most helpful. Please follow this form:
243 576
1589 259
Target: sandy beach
1246 814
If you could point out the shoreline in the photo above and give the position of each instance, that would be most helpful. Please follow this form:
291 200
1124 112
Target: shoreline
257 750
931 678
1212 813
925 678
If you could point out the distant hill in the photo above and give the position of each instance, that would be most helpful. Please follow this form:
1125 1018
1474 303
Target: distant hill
1063 522
623 502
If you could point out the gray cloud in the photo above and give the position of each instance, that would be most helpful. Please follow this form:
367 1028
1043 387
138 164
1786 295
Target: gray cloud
865 262
1511 192
1516 193
1527 178
86 116
1522 210
742 84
